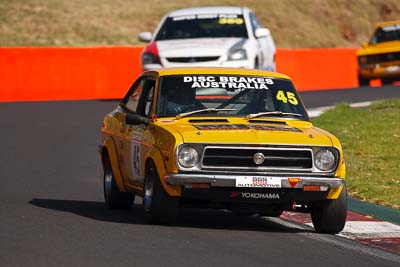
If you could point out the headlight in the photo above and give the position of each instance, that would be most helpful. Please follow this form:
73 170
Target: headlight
325 159
362 60
188 157
239 54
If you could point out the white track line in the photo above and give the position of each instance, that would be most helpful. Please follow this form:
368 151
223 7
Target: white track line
315 112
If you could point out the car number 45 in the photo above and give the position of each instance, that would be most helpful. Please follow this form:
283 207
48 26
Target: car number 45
289 97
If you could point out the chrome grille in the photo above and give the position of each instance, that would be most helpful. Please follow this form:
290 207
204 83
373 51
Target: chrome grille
290 159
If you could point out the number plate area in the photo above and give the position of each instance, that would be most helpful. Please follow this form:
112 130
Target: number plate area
258 182
392 69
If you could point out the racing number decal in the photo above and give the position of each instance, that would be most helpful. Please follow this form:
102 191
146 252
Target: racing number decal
288 97
135 156
230 21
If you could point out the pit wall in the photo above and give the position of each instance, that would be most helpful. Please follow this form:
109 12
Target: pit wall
58 73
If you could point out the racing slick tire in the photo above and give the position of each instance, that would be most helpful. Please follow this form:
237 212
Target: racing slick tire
329 216
159 207
362 81
256 64
114 199
387 81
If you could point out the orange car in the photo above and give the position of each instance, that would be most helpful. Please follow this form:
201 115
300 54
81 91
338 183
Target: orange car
380 57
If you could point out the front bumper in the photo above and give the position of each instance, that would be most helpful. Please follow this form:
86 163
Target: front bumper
383 70
217 180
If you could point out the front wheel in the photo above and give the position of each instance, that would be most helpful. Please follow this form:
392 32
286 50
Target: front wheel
387 81
363 81
329 216
158 206
114 198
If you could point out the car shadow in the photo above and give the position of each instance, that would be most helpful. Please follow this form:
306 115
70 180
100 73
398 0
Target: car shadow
187 218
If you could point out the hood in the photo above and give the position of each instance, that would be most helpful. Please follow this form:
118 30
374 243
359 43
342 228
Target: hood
197 47
297 133
380 48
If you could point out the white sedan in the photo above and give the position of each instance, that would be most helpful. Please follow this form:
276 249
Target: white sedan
209 36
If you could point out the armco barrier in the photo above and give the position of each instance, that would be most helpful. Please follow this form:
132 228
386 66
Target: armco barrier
36 74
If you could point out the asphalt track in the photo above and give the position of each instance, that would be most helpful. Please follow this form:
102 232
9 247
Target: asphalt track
52 212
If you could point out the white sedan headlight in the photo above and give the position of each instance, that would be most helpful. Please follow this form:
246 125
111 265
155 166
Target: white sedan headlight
325 159
239 54
188 157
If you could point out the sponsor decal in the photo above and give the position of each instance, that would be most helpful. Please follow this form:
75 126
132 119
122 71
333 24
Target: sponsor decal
223 18
391 28
260 182
255 195
234 194
293 181
229 82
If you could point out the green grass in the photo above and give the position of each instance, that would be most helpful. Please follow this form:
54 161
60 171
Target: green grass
371 142
293 23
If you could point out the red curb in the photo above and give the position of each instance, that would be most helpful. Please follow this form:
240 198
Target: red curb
391 244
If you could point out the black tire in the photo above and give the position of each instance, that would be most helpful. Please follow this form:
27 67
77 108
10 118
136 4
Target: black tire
387 81
363 81
114 199
329 217
159 207
256 64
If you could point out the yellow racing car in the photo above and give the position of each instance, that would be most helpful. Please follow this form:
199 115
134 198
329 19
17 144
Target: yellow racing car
222 138
380 57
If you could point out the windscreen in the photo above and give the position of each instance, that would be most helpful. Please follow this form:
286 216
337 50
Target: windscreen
202 26
386 34
236 96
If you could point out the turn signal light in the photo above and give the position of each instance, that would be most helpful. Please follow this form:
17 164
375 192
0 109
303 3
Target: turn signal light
198 186
315 188
312 188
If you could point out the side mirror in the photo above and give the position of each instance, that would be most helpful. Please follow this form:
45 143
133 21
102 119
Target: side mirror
135 119
145 37
262 32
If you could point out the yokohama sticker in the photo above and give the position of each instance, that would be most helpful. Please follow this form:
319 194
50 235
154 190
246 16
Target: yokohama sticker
255 195
258 182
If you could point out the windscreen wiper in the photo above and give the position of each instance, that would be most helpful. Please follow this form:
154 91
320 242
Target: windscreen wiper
278 113
182 115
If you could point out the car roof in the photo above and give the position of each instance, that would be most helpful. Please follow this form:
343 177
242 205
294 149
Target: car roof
208 10
217 71
387 23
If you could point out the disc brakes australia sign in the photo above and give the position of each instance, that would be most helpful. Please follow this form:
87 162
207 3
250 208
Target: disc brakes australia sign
228 82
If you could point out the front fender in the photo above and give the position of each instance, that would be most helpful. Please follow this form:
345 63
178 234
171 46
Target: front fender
156 156
109 147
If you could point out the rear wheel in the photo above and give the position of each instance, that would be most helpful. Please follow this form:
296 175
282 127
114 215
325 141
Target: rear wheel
256 64
158 206
329 216
363 81
114 198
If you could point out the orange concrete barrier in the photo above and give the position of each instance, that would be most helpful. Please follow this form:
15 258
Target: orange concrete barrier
325 68
40 73
34 74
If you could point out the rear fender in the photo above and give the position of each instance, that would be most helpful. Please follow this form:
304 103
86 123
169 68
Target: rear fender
109 148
